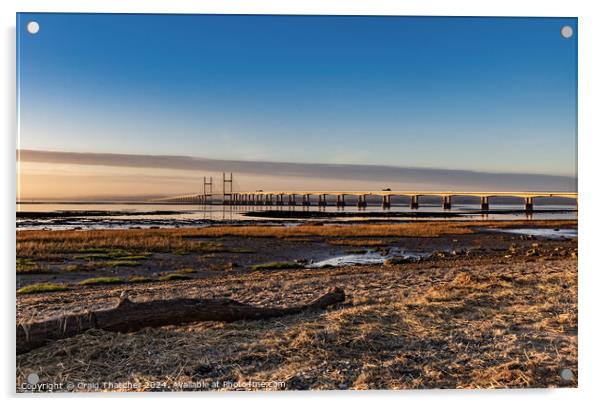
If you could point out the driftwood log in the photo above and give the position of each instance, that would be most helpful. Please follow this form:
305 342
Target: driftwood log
128 316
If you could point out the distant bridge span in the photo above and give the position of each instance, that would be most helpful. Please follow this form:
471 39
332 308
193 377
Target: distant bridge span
277 197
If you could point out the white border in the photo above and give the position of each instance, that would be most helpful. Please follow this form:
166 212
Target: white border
590 72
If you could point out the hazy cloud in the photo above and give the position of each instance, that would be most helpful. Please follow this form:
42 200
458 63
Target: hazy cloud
384 175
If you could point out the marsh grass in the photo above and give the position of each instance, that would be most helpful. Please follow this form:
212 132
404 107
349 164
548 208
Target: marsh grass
139 279
276 265
358 242
175 276
137 257
240 251
412 229
108 244
25 265
116 254
76 268
120 262
42 288
185 270
100 281
338 231
92 256
59 244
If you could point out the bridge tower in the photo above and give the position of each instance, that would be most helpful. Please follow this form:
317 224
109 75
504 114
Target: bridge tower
207 190
227 189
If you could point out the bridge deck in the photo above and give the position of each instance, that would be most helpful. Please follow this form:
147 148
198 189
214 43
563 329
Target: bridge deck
388 193
572 195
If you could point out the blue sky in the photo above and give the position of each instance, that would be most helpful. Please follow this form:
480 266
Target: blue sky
483 94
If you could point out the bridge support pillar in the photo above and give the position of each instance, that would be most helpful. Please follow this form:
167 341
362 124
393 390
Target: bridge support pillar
528 204
291 200
305 200
485 203
268 199
340 200
322 200
447 204
361 201
386 202
414 202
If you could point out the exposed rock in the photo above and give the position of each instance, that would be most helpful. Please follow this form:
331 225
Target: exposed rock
438 254
396 261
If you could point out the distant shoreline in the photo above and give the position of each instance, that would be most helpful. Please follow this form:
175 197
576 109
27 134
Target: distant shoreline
282 214
90 213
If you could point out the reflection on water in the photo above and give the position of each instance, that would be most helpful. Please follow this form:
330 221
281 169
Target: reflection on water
134 215
367 258
554 233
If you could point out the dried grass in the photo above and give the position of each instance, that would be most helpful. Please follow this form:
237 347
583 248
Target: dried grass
464 326
140 242
430 229
116 244
52 244
354 242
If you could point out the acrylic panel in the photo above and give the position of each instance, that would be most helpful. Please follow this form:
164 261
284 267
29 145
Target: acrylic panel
280 202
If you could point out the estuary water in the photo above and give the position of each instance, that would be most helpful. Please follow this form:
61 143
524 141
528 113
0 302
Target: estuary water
111 215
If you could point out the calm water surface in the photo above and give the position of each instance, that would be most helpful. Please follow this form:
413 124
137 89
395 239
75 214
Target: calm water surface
128 215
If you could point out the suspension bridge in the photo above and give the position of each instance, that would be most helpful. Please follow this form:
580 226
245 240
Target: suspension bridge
341 198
